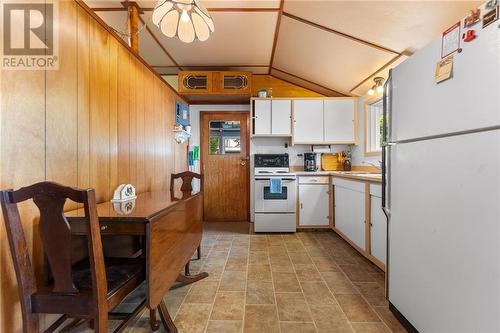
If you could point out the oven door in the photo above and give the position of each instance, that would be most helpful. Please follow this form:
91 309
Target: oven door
267 202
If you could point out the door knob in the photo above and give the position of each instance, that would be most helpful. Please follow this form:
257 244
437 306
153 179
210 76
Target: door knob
243 160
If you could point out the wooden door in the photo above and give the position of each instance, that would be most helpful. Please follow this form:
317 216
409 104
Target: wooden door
225 165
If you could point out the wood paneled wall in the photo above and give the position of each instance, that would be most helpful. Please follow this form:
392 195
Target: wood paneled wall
102 119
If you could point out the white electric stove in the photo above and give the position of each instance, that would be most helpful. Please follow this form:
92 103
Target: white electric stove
274 212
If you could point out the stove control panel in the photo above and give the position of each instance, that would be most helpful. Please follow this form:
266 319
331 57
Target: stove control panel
271 161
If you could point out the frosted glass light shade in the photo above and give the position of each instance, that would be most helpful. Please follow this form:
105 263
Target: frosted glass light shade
186 19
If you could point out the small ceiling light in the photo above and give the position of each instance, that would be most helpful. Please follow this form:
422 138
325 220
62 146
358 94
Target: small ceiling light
377 87
186 19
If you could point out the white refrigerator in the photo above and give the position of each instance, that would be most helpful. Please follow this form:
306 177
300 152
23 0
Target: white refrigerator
441 190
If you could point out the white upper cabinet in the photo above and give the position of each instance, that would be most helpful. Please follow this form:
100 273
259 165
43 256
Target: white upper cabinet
262 117
308 121
339 120
281 117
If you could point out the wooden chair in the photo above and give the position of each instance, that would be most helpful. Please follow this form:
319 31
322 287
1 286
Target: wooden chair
187 180
88 289
187 188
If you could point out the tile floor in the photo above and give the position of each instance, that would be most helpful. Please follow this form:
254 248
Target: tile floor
303 282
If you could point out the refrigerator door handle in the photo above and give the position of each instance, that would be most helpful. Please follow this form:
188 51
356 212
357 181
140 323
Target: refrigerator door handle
386 133
386 178
386 143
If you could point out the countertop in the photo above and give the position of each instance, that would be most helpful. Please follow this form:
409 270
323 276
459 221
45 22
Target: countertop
354 175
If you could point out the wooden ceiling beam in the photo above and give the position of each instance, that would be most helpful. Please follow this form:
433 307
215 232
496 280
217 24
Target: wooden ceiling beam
219 66
308 81
276 33
245 10
350 37
214 9
109 9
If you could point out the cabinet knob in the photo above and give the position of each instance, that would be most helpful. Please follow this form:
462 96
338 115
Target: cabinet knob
104 227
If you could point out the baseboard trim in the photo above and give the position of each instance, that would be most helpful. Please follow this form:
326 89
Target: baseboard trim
402 319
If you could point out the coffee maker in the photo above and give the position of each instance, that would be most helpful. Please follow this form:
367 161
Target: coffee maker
310 162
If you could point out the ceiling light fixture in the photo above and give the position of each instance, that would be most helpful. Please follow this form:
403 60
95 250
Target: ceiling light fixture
186 19
378 86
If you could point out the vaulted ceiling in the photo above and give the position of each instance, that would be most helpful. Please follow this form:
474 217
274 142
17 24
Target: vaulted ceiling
332 47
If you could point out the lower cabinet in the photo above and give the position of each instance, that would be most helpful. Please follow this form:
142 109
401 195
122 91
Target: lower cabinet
352 215
350 211
378 225
314 202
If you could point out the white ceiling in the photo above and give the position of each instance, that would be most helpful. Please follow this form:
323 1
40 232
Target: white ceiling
324 45
238 39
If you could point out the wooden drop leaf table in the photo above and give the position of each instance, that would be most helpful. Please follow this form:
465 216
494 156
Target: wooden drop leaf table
171 227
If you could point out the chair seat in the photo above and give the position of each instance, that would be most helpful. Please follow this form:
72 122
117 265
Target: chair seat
118 272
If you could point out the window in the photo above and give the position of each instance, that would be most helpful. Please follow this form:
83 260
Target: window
224 137
373 128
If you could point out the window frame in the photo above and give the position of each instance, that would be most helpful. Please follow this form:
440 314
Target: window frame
369 127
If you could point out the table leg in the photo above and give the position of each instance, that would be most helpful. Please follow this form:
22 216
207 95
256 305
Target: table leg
155 325
184 280
167 321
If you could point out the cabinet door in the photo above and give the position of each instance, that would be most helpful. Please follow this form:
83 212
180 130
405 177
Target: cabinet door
195 82
234 82
350 214
340 120
308 121
262 117
281 117
314 201
378 229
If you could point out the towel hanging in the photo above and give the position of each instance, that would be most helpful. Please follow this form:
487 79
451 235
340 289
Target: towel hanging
275 184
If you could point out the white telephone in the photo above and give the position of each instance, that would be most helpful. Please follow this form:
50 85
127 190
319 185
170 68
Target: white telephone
124 192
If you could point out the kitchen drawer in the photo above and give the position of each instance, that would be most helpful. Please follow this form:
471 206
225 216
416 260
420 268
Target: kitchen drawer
349 184
314 179
111 228
376 190
275 222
